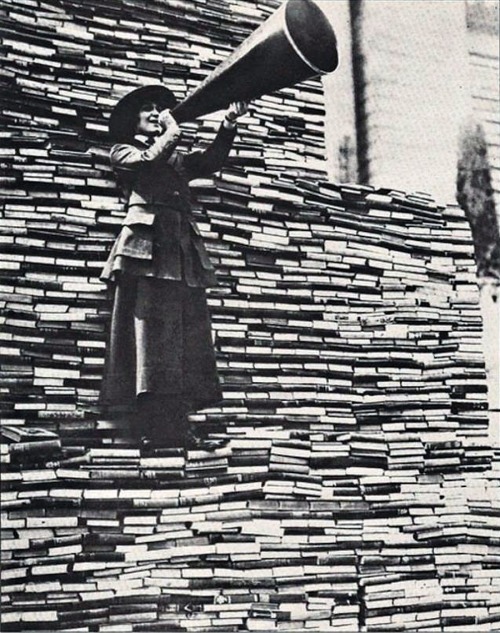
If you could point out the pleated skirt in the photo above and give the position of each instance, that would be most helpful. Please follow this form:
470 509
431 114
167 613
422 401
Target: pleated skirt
159 342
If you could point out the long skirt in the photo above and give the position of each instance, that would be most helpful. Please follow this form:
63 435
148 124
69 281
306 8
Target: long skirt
160 342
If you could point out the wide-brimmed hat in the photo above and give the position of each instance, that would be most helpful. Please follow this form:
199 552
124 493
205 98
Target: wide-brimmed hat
123 119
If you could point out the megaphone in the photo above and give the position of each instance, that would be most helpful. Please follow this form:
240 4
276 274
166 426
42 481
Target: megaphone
297 42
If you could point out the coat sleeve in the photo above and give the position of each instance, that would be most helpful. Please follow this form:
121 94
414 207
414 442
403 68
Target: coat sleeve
127 158
203 163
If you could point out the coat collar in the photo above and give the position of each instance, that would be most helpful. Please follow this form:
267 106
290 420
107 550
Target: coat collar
143 139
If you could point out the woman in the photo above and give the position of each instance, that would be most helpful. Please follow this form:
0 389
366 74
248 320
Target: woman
160 360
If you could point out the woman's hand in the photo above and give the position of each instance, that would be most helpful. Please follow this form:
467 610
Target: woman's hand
169 124
235 110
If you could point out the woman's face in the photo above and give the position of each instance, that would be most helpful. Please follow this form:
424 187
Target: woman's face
148 123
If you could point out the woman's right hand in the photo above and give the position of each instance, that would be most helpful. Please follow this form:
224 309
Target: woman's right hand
168 123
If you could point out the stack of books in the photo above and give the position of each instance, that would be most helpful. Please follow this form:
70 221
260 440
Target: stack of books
357 487
29 445
360 543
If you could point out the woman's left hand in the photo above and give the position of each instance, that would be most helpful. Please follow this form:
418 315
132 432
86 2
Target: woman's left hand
235 110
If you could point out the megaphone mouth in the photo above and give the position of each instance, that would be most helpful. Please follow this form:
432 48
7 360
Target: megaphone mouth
316 45
295 43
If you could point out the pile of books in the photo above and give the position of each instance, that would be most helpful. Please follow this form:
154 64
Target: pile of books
27 445
357 489
171 539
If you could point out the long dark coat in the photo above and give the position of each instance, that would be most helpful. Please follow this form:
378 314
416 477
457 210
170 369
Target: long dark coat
160 337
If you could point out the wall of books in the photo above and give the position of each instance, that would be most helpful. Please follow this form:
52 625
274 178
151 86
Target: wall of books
358 490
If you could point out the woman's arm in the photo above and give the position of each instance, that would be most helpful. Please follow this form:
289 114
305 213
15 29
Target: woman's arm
203 163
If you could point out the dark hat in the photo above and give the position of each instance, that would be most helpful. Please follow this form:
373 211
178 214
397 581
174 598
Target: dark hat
123 119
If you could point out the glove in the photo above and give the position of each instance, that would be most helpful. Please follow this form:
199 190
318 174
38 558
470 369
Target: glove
168 122
235 110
